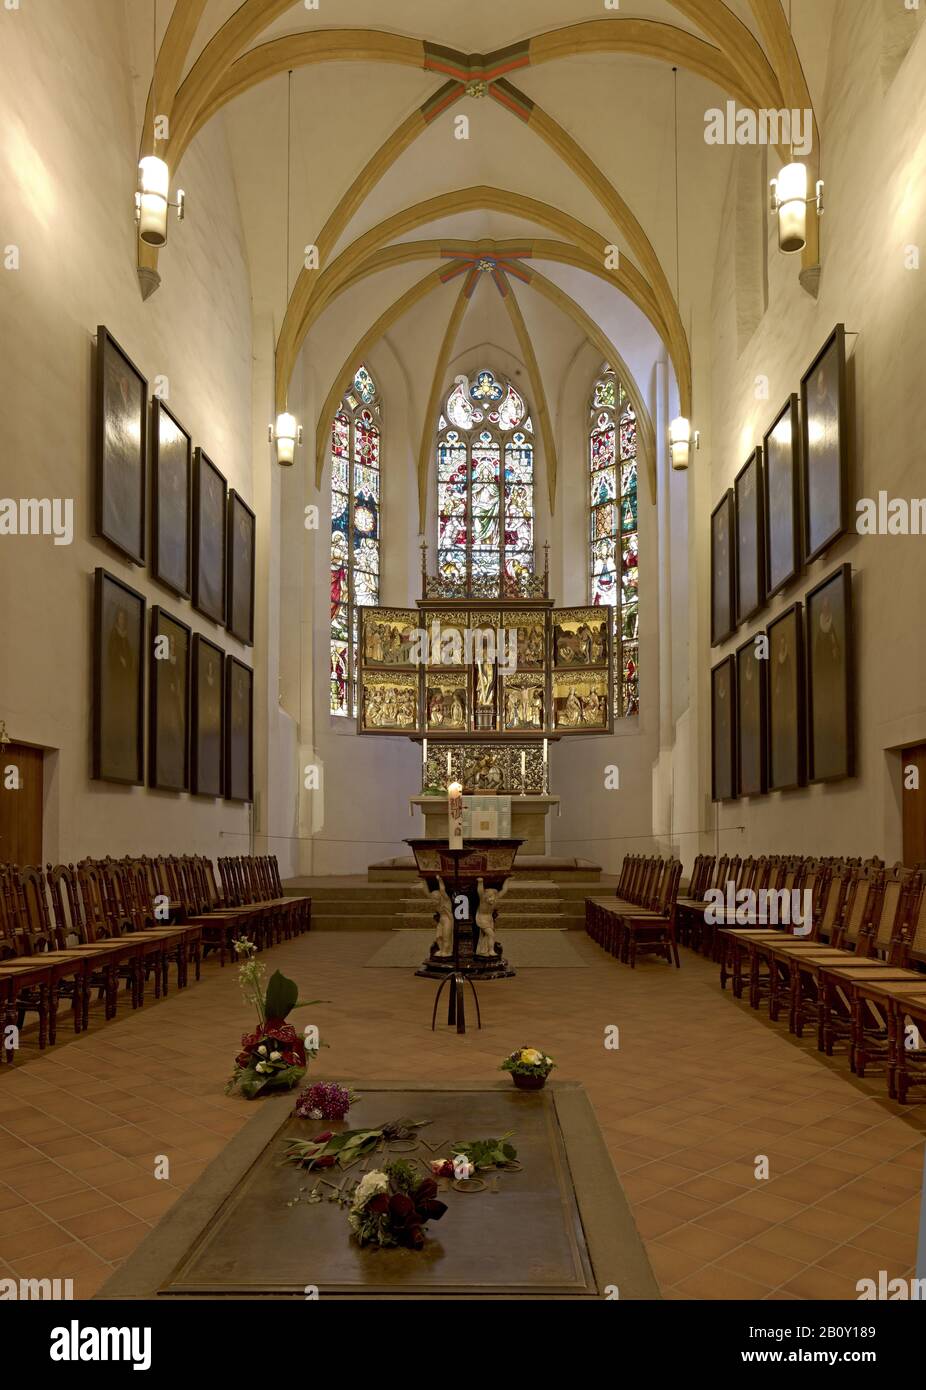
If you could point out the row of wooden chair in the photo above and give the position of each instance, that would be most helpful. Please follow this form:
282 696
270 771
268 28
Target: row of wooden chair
640 916
857 969
102 923
731 874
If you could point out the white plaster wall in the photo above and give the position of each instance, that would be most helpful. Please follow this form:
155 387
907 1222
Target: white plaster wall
874 162
68 153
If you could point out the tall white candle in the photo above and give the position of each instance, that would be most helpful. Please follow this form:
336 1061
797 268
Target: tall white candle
424 752
449 772
455 815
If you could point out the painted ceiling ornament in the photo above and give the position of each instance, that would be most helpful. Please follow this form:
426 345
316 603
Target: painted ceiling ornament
477 88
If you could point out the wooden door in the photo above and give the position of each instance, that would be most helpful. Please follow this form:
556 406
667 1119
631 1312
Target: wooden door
21 805
914 806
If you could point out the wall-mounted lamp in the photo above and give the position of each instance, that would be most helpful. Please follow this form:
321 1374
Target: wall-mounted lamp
789 200
286 434
152 199
681 439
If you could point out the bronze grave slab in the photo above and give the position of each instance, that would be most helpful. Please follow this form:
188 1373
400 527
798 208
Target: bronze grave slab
558 1228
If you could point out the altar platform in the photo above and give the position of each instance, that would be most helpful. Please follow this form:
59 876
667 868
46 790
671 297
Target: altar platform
558 1228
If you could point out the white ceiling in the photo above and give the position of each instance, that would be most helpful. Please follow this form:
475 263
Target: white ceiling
618 108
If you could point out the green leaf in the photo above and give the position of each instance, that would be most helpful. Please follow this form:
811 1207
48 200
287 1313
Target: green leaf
281 996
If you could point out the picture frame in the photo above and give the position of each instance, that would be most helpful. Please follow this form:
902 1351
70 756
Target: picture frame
120 449
781 489
723 570
169 654
207 718
210 532
118 724
750 537
239 731
171 500
751 711
825 446
830 658
787 751
240 555
723 730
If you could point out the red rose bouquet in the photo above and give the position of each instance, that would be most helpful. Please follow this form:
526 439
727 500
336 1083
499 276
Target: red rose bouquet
392 1207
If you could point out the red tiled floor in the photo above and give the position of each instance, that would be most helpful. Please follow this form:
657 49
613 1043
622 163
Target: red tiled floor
699 1090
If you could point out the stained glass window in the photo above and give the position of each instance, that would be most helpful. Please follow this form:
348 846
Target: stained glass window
614 565
356 441
485 482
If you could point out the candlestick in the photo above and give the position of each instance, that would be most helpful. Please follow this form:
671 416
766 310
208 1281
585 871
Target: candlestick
523 772
455 815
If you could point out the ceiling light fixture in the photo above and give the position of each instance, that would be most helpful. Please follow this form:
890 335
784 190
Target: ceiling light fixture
680 432
789 200
287 433
152 196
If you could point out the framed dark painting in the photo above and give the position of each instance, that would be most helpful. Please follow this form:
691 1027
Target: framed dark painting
207 714
830 667
121 448
781 452
118 745
210 493
239 601
723 618
750 536
786 726
172 500
723 730
751 671
239 742
825 452
168 703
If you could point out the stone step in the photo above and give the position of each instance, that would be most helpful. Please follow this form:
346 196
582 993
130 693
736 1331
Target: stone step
510 921
348 921
360 907
507 905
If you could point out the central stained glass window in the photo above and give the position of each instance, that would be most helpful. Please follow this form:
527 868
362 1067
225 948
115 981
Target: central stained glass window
355 530
485 482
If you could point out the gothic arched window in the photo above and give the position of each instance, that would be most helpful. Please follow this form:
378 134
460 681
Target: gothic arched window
356 441
485 483
614 572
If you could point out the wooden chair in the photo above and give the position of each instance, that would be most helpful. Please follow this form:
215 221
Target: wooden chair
853 996
654 933
34 971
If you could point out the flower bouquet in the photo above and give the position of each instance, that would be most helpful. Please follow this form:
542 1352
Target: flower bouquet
529 1067
472 1156
326 1150
393 1206
274 1056
326 1100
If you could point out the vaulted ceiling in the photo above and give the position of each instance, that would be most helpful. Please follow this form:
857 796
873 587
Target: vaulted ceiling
507 235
